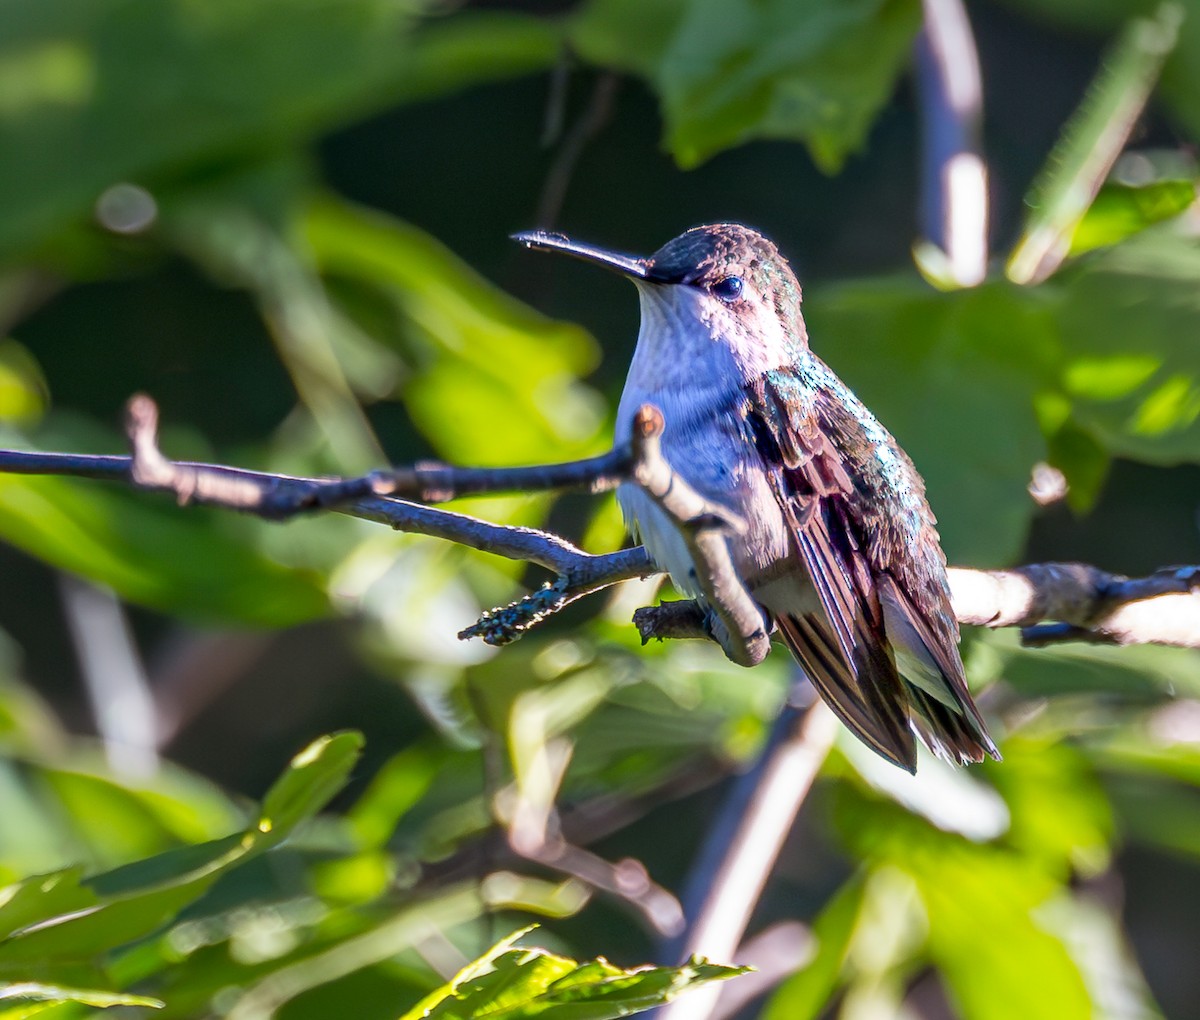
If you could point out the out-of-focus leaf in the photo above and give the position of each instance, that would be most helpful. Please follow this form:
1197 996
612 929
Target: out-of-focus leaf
808 70
941 370
312 778
41 896
628 35
24 393
379 942
1060 814
119 821
510 984
985 940
76 116
1156 813
807 992
981 903
1121 210
400 784
1091 143
183 561
86 996
1141 674
1094 938
496 381
317 345
119 906
1133 374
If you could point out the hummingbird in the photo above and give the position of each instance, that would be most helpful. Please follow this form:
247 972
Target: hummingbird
840 548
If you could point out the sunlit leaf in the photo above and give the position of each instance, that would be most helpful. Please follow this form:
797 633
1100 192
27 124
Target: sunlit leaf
1121 210
508 984
1059 812
940 370
86 996
981 904
153 553
1091 143
1133 375
483 358
313 777
812 71
131 901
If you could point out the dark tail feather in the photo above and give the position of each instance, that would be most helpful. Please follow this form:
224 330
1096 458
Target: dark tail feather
953 737
873 714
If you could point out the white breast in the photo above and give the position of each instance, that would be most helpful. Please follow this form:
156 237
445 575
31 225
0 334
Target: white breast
691 376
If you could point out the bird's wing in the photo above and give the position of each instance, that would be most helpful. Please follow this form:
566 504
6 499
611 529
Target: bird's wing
821 470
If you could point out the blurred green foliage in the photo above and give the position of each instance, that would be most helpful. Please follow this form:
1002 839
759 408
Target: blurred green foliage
172 217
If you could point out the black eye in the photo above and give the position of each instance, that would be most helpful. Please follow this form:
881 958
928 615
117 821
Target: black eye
728 290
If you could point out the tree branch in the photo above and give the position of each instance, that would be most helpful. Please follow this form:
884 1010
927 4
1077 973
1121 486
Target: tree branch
954 199
1051 602
1087 604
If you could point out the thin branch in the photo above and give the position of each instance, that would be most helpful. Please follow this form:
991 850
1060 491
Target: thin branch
1079 602
954 196
432 482
627 882
738 624
591 123
121 698
740 850
1084 602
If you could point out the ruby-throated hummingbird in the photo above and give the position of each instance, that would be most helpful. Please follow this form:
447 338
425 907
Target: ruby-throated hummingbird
840 547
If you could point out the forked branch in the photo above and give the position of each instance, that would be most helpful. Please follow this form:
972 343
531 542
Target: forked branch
1051 602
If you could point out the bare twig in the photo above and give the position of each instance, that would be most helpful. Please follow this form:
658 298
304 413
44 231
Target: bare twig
431 482
1081 602
627 882
597 114
740 850
738 624
121 699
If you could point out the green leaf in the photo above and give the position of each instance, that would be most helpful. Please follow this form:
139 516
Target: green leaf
196 563
816 71
129 902
998 962
807 992
982 904
1059 812
1132 374
86 996
73 83
42 896
1091 143
628 35
940 370
483 357
312 778
1131 675
509 984
1122 210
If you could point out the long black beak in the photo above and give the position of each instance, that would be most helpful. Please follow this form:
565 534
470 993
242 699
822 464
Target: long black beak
551 240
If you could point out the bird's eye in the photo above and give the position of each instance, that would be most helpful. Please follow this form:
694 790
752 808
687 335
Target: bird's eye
728 289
